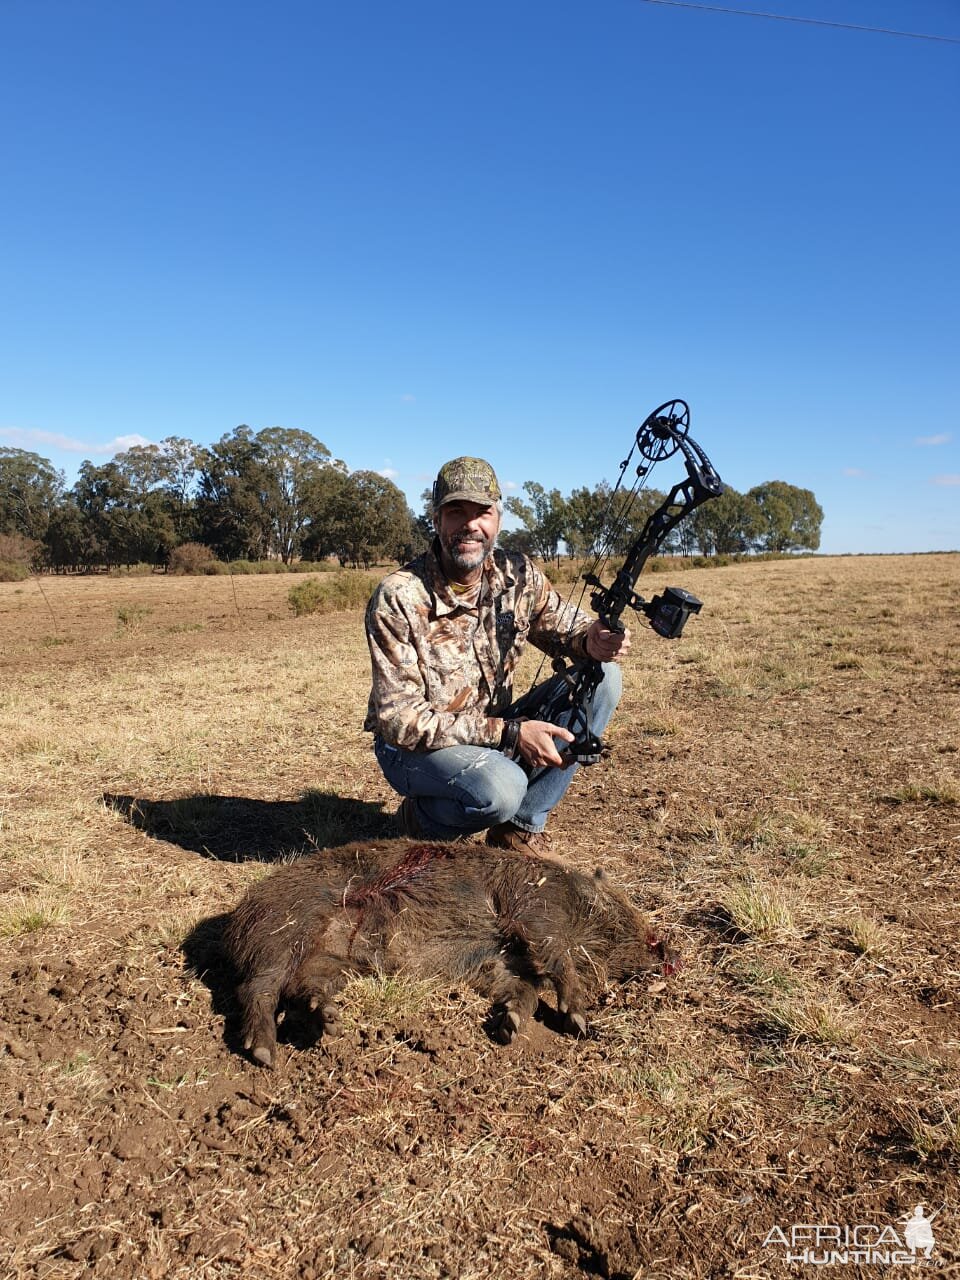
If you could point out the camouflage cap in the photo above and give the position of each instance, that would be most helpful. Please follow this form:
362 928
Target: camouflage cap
466 480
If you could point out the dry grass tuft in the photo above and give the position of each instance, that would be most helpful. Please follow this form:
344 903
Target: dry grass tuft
30 913
932 1137
131 617
944 790
869 937
388 998
813 1016
758 911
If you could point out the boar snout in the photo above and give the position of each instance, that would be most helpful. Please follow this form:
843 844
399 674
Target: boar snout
671 962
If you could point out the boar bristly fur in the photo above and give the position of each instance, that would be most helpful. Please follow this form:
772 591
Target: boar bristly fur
504 922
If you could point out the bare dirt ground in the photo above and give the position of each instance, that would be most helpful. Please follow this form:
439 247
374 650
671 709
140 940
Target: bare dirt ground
783 796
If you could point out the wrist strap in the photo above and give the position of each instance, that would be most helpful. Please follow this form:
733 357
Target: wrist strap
510 739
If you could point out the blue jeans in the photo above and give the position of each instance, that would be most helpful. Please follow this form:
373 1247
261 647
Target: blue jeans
461 790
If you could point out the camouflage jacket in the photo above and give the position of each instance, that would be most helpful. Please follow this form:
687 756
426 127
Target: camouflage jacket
443 670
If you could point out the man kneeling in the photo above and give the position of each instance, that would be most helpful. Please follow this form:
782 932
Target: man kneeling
446 633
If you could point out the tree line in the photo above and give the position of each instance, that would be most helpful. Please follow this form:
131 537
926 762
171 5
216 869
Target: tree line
774 516
274 494
279 494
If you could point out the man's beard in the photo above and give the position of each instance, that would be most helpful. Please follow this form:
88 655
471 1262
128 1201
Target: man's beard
467 550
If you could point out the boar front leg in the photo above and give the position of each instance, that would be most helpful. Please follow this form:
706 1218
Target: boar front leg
571 1002
316 981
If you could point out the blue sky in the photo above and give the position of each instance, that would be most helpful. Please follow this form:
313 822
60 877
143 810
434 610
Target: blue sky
504 229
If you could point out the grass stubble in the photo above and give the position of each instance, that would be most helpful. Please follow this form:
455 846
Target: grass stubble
782 795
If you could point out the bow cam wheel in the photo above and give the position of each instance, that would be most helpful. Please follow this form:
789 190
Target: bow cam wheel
659 436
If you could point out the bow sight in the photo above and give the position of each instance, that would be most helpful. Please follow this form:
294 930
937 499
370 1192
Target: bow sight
661 435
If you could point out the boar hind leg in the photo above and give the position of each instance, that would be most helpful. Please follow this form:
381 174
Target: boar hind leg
514 1000
258 999
314 985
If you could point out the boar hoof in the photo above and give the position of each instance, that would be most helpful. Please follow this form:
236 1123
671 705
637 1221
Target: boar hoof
332 1025
506 1024
326 1017
575 1024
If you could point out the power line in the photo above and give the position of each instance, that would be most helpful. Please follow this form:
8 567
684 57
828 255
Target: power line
813 22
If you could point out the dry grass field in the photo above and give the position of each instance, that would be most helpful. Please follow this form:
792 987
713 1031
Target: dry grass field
783 797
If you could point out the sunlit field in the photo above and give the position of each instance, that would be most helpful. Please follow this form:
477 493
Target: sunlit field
783 796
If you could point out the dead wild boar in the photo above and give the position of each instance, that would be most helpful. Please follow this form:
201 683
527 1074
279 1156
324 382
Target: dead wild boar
504 922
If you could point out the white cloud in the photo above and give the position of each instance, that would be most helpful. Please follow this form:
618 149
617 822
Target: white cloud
944 437
947 482
408 399
854 471
388 473
27 437
119 443
510 484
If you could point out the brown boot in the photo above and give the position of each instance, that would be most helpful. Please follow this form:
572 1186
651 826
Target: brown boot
407 818
535 843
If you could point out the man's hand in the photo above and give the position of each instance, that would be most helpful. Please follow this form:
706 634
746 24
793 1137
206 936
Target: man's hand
536 745
606 646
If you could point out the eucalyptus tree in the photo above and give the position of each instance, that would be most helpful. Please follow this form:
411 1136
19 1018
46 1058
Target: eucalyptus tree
123 519
380 524
727 525
234 497
30 489
295 461
544 517
257 491
586 510
165 475
788 518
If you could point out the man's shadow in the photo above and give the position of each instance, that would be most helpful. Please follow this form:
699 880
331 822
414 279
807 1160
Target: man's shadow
240 829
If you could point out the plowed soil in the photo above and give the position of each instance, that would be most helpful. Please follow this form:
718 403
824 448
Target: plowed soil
783 796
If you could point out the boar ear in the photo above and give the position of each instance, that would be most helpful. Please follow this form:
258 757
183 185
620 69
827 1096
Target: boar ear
598 874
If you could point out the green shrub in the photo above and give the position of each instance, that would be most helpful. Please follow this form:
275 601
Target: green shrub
333 593
130 616
192 557
313 566
258 566
277 566
142 569
16 549
10 572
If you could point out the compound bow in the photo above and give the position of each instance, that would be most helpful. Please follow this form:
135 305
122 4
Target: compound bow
659 437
